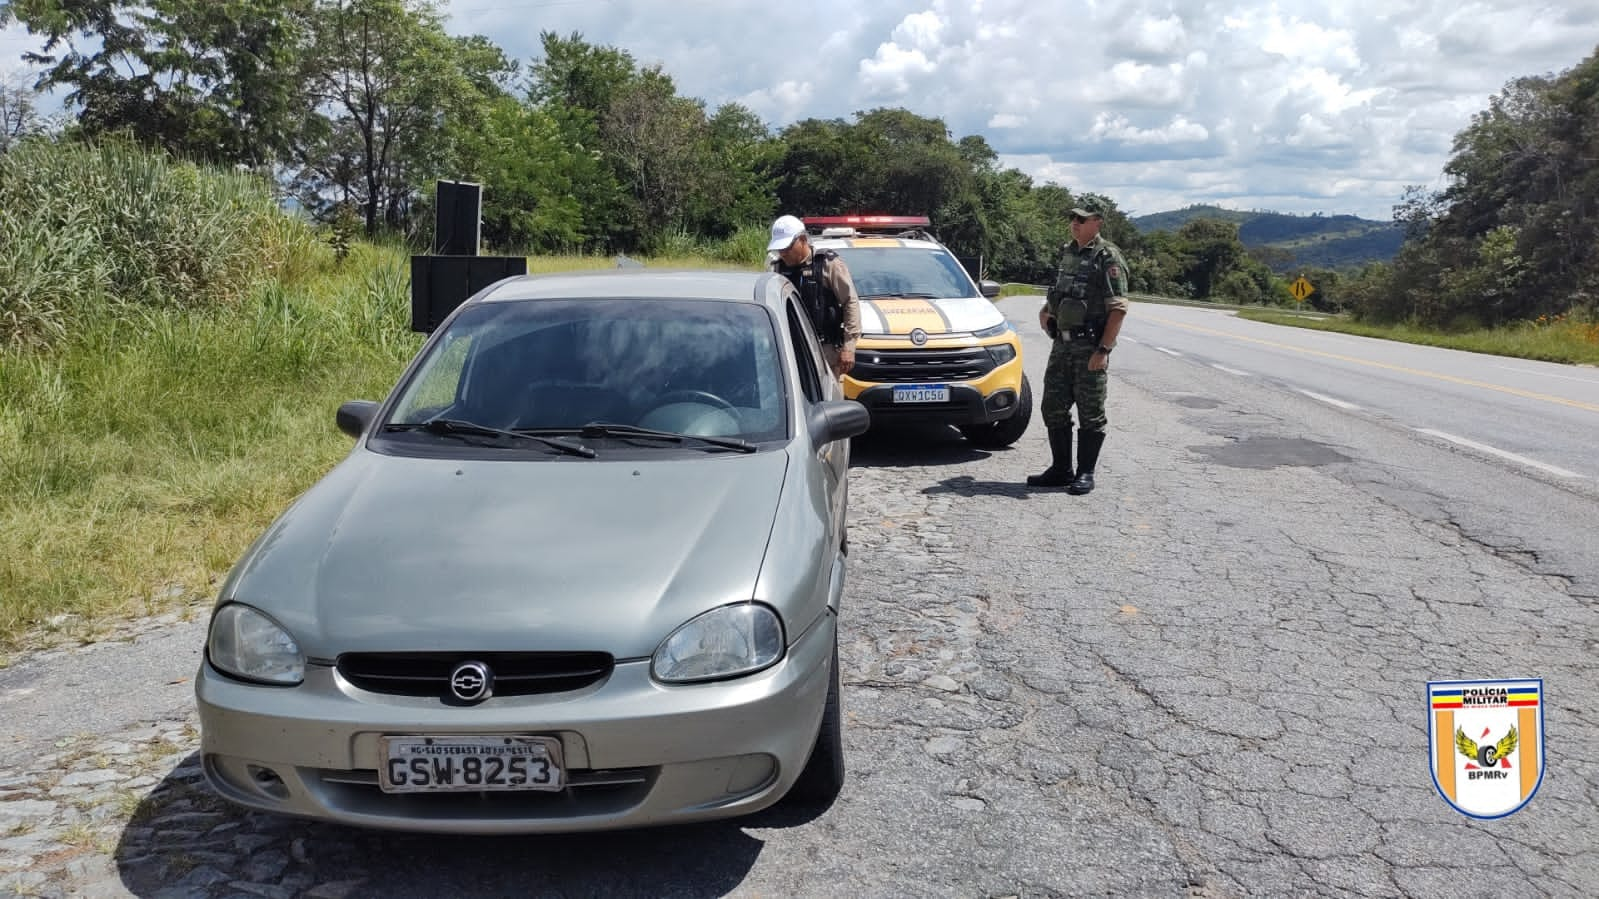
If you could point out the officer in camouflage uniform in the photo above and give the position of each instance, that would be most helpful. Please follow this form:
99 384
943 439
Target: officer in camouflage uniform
1083 313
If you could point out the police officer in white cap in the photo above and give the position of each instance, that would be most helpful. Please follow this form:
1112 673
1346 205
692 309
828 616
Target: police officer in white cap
824 285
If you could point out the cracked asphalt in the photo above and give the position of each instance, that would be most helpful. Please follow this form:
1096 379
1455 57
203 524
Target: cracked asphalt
1207 678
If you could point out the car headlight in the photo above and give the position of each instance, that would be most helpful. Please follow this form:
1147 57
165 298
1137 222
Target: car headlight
727 642
249 645
995 331
1002 353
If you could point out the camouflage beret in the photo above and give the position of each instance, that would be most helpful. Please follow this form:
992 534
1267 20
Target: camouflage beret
1089 207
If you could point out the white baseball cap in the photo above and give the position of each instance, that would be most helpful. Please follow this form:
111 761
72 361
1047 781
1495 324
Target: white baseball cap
784 230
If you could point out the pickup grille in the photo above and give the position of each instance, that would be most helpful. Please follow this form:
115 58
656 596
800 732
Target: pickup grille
910 366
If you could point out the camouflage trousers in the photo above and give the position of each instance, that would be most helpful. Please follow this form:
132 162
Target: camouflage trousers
1068 382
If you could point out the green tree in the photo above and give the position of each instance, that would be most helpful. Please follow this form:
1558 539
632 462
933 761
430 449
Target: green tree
537 187
211 80
1514 234
660 144
576 74
390 78
738 183
1210 250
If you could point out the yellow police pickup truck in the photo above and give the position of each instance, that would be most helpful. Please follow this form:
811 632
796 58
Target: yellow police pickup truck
934 349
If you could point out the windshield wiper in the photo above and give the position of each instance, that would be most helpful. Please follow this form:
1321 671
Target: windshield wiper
459 428
606 429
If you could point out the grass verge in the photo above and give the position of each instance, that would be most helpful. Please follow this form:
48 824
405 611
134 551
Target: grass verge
1561 339
141 454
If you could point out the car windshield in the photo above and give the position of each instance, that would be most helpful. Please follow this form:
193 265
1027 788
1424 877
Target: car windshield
906 271
698 367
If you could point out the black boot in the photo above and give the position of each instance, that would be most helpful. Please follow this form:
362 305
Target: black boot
1059 472
1088 444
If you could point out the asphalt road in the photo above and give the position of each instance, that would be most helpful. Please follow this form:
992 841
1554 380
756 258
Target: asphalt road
1207 678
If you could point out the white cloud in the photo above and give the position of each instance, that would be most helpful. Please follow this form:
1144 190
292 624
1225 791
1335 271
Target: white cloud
1151 37
1291 104
1140 85
784 101
14 41
1116 128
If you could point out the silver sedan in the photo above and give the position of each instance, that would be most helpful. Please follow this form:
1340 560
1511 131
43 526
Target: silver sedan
581 570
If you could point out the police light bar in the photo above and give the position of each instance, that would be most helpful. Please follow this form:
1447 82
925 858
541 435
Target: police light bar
861 222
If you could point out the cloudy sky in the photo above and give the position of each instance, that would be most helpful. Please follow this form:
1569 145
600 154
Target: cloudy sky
1290 106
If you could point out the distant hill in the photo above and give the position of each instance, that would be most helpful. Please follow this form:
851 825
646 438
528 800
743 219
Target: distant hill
1322 241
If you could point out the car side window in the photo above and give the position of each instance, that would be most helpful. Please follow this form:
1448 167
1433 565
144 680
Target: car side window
806 352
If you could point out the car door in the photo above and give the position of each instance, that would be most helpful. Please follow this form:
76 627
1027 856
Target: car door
818 385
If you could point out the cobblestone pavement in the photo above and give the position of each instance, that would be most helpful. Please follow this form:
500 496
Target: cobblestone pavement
1204 679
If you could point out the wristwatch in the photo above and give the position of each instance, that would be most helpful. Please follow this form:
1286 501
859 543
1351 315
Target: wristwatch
1103 349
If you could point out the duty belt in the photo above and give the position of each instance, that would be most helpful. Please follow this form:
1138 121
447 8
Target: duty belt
1083 333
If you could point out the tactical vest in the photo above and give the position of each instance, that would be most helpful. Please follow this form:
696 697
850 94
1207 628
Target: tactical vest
821 304
1082 298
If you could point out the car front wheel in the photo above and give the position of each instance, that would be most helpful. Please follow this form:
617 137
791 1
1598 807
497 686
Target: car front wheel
823 777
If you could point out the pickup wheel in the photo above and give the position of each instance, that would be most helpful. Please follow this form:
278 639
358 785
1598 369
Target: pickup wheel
1000 434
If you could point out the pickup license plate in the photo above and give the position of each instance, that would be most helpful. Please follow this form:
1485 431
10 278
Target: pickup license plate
921 393
470 764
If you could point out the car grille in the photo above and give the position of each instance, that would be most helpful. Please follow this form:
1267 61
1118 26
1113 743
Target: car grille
909 366
515 673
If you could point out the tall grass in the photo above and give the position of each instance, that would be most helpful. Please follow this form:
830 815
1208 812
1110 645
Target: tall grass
92 230
144 452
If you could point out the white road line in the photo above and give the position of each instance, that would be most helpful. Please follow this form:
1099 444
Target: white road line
1168 352
1126 340
1329 400
1492 451
1545 374
1231 371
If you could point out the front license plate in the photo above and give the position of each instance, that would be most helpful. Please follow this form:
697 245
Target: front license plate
921 393
470 764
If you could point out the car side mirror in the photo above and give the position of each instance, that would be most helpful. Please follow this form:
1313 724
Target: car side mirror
355 415
837 420
990 289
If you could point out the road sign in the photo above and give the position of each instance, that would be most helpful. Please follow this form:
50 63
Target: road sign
1301 288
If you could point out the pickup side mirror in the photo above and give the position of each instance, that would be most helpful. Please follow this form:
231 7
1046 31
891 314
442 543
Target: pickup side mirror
355 415
990 289
837 420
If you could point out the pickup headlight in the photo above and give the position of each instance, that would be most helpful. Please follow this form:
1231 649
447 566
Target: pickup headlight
995 331
249 645
727 642
1002 353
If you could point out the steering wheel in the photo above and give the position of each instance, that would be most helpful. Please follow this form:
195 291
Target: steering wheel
677 396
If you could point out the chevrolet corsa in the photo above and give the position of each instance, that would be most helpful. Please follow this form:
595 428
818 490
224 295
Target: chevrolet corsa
581 570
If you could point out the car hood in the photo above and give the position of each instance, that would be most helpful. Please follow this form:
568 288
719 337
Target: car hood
896 315
391 553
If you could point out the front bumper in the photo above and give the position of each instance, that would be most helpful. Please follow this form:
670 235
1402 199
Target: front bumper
980 392
638 753
966 406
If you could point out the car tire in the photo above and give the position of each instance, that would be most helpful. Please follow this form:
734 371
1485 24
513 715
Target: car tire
1000 434
823 777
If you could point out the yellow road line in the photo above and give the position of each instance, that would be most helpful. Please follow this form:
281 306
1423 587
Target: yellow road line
1527 394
